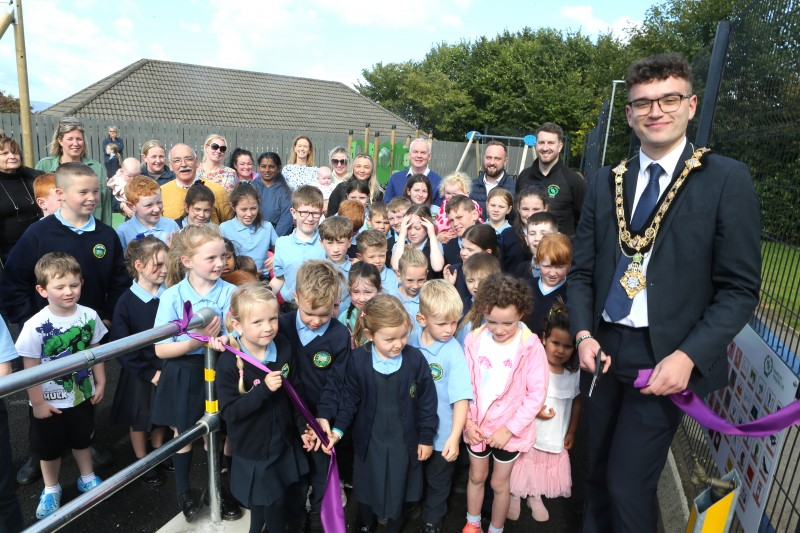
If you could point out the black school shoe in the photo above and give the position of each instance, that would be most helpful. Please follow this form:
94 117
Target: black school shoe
152 478
166 465
29 471
229 508
430 528
101 457
191 503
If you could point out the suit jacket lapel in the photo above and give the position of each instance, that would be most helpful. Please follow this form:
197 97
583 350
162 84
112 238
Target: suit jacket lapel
675 208
630 178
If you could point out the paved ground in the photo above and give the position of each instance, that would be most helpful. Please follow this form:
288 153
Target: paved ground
140 509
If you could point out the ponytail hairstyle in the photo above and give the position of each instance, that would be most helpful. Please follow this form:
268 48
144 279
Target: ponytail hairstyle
244 299
245 190
184 244
142 250
383 311
198 192
558 317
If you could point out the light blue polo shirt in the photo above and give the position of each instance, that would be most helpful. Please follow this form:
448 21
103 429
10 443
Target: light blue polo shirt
8 352
411 304
170 307
388 366
504 227
344 270
389 281
307 334
130 229
252 241
290 253
89 226
145 296
450 377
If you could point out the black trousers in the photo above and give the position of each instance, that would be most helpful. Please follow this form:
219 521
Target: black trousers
10 514
438 479
629 438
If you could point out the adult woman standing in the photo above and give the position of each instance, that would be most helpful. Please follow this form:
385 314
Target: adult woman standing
69 145
154 162
274 195
242 163
211 168
363 169
339 159
18 208
300 170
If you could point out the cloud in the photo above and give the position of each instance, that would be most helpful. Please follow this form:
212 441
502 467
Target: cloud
590 24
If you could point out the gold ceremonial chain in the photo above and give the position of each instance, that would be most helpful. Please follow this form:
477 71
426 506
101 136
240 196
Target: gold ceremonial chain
633 281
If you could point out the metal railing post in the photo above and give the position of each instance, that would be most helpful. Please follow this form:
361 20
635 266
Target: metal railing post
212 409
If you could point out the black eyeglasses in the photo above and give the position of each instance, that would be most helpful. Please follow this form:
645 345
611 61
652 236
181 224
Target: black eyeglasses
668 104
339 161
221 147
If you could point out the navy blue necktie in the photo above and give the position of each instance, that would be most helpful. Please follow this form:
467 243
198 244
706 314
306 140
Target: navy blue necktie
618 305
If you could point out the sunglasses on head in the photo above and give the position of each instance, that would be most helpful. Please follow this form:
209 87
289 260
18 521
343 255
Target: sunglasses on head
221 147
339 161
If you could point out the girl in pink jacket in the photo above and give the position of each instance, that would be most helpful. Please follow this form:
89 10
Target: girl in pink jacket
509 374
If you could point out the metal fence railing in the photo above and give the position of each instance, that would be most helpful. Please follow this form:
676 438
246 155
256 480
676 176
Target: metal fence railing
757 120
208 425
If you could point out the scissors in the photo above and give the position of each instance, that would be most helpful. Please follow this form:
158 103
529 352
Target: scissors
598 370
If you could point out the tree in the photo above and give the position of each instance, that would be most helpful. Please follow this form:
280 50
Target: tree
8 104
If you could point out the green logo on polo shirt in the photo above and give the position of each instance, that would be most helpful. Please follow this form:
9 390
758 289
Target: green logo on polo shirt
322 359
99 251
552 191
412 390
285 370
436 371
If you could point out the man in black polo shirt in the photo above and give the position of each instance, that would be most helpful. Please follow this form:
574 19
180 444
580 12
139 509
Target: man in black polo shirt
565 189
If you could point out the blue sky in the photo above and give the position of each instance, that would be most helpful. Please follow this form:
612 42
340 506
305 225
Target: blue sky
73 43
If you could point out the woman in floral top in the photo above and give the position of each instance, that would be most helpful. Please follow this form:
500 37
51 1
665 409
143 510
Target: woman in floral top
301 168
212 168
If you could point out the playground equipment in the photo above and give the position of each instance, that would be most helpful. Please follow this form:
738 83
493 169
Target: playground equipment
525 143
389 155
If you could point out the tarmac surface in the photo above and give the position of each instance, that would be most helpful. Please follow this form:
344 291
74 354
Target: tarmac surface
141 509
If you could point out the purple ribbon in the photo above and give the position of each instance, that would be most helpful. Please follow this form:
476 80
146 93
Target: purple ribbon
694 406
331 513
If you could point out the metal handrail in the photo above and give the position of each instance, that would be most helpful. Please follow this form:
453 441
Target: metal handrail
208 425
83 360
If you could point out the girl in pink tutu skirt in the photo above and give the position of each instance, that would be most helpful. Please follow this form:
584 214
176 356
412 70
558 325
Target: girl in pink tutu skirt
544 470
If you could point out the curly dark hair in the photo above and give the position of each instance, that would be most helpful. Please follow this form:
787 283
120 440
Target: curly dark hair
502 290
658 67
558 318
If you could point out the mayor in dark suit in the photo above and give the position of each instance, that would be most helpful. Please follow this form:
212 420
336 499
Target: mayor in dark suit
666 271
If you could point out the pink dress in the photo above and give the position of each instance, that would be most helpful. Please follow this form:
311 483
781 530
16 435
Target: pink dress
441 223
545 469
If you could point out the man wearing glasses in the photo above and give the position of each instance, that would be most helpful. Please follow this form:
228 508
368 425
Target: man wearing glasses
183 162
419 154
666 271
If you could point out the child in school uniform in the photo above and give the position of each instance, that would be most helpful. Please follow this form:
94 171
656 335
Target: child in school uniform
143 197
477 267
264 434
395 211
475 239
527 202
417 230
194 266
371 246
364 283
44 190
499 204
322 349
439 311
553 256
412 274
136 309
378 218
300 245
461 213
539 225
355 211
198 206
334 235
251 235
62 410
387 381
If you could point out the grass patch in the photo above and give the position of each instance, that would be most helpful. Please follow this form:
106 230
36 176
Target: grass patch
780 276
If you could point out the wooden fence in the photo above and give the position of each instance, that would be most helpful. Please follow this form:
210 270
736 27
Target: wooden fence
445 154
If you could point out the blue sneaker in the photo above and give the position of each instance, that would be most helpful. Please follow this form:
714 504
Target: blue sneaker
86 487
48 504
